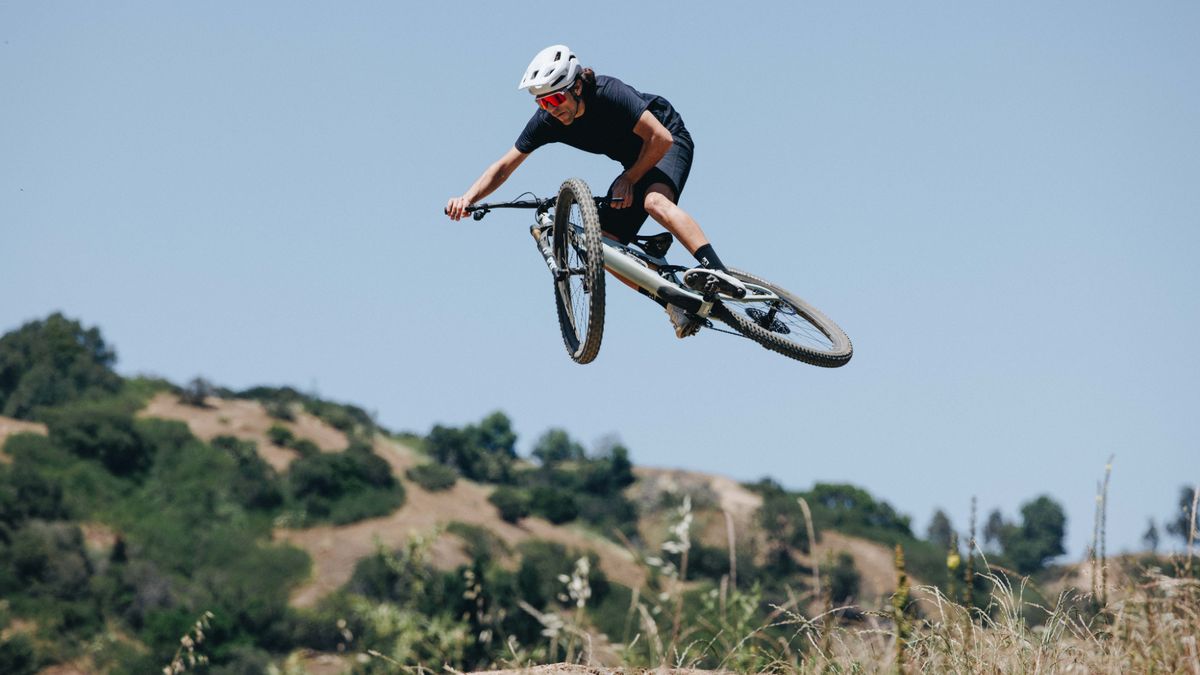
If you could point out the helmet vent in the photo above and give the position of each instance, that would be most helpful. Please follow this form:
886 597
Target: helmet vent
560 78
557 55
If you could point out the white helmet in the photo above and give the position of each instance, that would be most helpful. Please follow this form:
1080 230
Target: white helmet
554 68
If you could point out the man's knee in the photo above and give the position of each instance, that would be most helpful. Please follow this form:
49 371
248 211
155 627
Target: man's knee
660 199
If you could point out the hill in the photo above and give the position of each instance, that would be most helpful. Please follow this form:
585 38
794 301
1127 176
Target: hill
148 526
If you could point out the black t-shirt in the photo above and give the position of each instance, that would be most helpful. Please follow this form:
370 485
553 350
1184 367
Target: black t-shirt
606 127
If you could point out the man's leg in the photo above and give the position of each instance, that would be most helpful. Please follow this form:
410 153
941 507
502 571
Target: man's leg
660 204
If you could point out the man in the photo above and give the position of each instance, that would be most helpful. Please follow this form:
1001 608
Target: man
643 132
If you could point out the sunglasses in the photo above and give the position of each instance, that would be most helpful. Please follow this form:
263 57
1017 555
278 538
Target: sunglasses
551 100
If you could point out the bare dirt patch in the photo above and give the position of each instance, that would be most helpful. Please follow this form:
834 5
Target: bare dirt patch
336 549
10 426
874 562
247 420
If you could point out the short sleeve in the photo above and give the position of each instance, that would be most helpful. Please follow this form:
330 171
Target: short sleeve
537 132
624 101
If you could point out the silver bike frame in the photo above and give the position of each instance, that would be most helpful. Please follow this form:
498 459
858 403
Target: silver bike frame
635 266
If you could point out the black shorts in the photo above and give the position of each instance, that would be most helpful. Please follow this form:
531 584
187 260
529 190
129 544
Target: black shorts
672 170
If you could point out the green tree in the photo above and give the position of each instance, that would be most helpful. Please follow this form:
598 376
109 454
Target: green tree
1150 538
940 530
1038 539
102 431
555 446
482 453
852 509
991 531
512 503
52 362
782 521
1184 520
495 435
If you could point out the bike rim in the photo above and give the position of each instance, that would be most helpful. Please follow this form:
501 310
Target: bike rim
781 318
576 295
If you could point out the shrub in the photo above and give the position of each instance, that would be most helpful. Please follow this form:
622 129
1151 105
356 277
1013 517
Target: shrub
305 447
344 486
481 543
255 485
196 392
482 452
433 477
555 505
102 431
843 579
281 435
512 503
280 410
17 656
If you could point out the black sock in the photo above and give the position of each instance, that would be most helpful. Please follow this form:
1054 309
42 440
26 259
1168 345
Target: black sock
708 258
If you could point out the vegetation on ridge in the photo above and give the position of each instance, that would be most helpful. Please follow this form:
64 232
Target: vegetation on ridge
127 544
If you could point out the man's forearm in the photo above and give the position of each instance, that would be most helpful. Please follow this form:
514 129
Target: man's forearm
652 153
491 179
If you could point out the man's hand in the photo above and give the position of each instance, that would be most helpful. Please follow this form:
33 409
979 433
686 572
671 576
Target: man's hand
622 189
456 208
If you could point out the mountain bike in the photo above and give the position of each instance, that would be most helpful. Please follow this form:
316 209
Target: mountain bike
568 235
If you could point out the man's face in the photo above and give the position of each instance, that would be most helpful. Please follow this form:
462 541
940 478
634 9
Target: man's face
567 107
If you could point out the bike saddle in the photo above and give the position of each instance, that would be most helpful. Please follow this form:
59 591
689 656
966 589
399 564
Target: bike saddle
657 245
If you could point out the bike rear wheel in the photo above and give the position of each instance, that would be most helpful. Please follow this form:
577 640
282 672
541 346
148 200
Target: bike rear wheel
784 323
579 293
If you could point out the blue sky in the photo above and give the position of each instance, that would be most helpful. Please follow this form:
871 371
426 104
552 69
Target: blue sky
997 201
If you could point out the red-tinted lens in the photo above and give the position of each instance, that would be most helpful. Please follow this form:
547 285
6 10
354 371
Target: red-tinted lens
551 100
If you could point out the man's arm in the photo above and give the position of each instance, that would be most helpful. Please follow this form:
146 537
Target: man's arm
492 178
656 141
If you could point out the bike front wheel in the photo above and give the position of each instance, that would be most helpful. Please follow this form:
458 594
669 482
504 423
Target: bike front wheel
579 288
784 323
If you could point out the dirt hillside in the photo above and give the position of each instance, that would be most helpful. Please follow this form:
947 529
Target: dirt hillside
247 420
336 549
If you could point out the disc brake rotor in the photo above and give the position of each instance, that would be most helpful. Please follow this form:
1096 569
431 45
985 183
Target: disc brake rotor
768 320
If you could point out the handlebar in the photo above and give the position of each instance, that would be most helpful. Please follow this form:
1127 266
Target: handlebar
478 211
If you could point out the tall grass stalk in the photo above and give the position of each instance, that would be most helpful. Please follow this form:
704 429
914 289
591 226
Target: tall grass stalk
1192 525
812 546
1103 532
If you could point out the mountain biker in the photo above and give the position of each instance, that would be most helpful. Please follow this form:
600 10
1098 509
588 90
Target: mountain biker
644 132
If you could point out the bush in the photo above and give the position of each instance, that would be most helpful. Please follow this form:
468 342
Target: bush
255 485
305 447
280 410
281 435
345 486
102 431
483 452
512 503
555 505
197 392
481 543
17 656
843 579
433 477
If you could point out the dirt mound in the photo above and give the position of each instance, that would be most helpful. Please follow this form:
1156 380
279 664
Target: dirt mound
247 420
336 549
